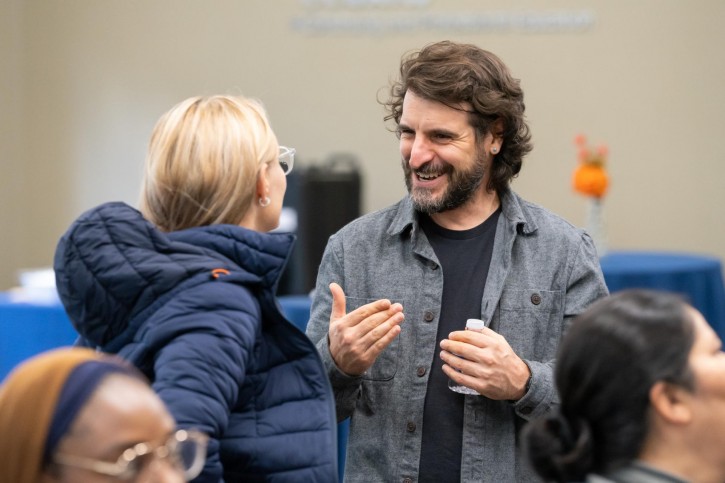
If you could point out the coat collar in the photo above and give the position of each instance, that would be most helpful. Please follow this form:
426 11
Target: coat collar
112 265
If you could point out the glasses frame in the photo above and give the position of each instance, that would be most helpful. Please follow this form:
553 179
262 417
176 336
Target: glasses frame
287 158
121 468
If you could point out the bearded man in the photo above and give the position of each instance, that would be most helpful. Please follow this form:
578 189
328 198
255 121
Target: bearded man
460 245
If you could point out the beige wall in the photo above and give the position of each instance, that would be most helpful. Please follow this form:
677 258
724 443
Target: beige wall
12 173
84 81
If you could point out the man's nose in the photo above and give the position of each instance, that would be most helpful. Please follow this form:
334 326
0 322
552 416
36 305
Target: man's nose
421 152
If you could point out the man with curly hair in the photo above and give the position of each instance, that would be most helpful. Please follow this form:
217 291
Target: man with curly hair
460 245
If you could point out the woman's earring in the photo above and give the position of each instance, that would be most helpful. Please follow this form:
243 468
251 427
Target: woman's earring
494 150
263 202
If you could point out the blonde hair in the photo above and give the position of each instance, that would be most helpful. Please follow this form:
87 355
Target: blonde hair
203 160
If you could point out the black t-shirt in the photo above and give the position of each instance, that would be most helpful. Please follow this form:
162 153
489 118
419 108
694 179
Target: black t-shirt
464 257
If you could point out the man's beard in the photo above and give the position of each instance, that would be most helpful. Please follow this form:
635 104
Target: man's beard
461 186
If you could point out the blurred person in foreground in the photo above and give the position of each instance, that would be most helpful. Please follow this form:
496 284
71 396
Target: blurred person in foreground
461 245
185 289
74 415
641 376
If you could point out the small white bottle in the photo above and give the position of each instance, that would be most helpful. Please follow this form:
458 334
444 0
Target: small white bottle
471 324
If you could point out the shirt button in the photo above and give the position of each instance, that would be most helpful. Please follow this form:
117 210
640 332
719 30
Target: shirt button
525 410
536 299
407 480
420 371
428 316
411 426
433 266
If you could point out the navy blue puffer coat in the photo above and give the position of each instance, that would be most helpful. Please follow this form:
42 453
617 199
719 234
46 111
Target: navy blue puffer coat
213 342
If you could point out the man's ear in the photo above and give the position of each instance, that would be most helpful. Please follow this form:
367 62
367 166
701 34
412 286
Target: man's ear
496 131
671 402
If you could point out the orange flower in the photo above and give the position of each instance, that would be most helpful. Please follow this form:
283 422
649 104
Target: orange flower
590 177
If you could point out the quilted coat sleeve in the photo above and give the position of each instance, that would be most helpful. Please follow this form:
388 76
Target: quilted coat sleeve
198 372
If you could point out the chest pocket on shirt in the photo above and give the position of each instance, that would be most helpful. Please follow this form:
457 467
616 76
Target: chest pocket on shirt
386 365
531 320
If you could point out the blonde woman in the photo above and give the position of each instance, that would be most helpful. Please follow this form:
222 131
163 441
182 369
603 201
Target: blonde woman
184 289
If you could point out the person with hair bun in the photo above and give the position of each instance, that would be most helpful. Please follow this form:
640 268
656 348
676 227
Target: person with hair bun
641 378
184 288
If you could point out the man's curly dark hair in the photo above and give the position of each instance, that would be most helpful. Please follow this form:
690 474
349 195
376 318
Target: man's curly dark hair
453 73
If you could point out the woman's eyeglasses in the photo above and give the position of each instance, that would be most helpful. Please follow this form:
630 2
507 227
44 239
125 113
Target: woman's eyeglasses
287 159
185 450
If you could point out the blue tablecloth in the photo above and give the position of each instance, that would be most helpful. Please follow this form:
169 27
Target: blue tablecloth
29 326
696 277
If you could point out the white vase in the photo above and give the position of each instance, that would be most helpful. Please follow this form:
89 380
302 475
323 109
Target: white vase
595 225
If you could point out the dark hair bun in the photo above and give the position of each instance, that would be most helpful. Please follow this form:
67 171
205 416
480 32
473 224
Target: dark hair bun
559 449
